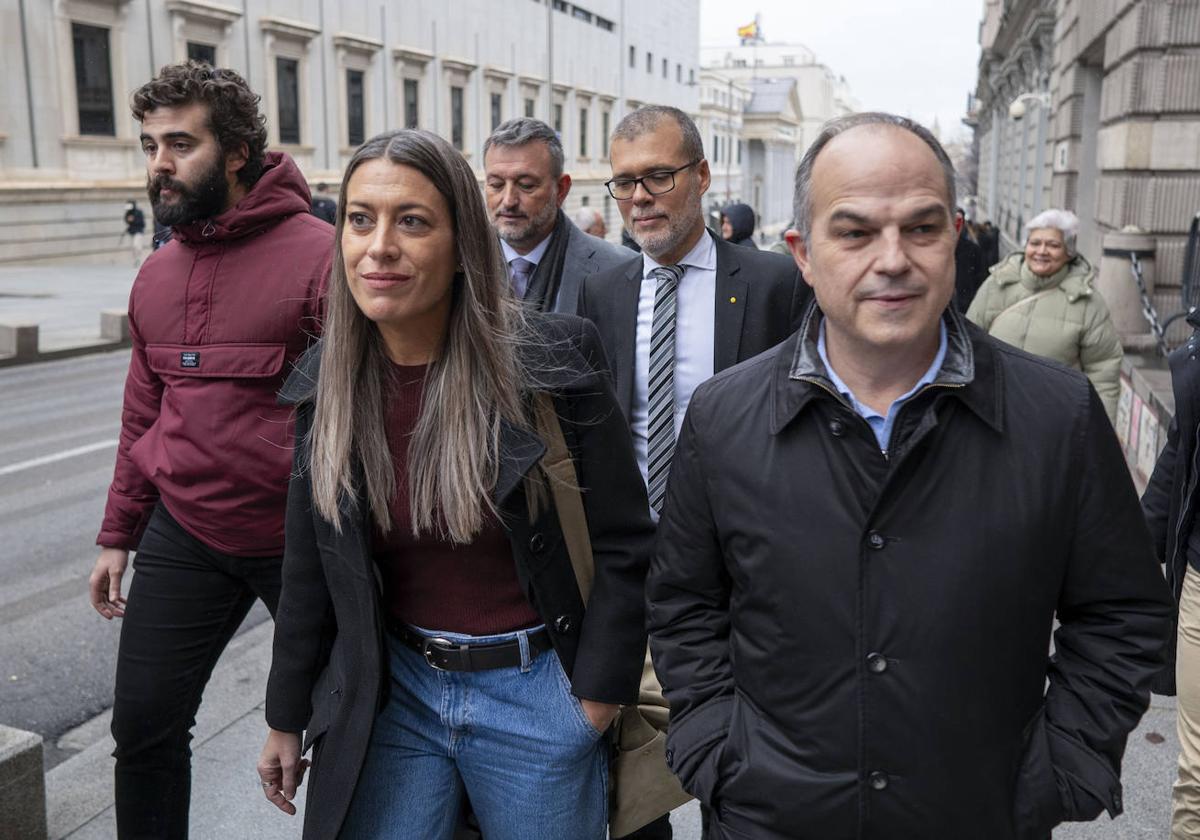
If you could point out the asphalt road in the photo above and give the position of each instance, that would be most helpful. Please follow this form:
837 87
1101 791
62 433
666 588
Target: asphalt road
58 429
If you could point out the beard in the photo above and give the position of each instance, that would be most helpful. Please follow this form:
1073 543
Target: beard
527 232
203 199
679 226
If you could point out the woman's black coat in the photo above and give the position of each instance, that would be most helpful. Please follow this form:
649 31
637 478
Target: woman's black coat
328 673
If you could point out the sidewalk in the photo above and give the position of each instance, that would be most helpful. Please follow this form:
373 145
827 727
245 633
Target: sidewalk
64 301
227 801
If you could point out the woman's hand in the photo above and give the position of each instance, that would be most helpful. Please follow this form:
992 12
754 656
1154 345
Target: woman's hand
281 769
600 715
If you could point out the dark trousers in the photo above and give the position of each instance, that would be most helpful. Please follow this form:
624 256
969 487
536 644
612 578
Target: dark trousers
659 829
184 604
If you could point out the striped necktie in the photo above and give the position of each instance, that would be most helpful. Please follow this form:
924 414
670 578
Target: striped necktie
660 400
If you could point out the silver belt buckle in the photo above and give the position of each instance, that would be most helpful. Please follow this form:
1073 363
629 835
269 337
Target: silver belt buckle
427 651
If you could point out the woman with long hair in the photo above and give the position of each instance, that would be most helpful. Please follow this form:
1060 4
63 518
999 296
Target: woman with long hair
431 641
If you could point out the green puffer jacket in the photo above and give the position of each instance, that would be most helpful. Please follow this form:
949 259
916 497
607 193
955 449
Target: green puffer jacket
1067 322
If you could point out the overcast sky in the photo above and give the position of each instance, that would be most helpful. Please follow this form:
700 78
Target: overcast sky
913 57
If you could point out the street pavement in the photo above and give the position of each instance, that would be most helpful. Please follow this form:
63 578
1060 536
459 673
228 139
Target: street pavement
65 301
58 430
58 426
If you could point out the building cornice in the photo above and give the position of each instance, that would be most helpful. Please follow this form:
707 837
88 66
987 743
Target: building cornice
412 54
205 11
455 63
287 28
356 43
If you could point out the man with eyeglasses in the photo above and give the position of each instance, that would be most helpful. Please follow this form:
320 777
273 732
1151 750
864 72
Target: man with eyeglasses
687 307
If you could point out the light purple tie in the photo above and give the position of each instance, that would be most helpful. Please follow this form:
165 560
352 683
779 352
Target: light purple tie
521 271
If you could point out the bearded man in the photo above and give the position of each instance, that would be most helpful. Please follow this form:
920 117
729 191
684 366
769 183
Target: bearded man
525 186
216 319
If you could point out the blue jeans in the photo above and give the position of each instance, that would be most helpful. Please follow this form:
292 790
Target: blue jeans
515 740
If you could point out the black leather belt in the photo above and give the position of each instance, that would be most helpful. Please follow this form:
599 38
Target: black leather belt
445 655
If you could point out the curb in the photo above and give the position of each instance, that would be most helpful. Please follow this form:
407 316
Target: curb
64 353
79 791
20 341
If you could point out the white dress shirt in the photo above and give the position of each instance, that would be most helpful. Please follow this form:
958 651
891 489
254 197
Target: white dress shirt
695 317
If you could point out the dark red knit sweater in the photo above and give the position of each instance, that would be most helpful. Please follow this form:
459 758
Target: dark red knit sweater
432 583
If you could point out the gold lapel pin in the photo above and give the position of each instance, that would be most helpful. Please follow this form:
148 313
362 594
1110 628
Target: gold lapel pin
733 300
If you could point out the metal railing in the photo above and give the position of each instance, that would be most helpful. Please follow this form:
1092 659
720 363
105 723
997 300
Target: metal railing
1148 310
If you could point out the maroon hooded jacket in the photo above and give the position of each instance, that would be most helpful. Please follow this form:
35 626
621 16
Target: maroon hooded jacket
217 318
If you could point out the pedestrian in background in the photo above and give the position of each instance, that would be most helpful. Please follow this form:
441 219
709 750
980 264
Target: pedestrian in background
989 244
589 220
473 668
969 270
1044 301
205 450
843 658
323 205
737 225
135 229
525 187
1170 506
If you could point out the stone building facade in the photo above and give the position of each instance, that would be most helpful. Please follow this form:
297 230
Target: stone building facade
1115 136
331 73
791 96
722 103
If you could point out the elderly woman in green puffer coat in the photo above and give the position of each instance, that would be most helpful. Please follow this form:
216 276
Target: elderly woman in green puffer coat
1043 301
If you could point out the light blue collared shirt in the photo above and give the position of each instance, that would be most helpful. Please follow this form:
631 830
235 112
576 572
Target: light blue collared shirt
881 425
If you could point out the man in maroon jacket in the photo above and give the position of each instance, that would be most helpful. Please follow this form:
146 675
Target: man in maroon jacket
216 318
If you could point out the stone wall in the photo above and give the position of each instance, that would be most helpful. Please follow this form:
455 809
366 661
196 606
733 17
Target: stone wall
1122 144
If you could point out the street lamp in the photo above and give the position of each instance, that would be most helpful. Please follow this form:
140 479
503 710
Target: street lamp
1019 106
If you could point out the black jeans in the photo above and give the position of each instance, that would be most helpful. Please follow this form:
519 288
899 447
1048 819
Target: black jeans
184 604
659 829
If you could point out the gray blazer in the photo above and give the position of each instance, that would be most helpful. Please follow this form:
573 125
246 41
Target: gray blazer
586 255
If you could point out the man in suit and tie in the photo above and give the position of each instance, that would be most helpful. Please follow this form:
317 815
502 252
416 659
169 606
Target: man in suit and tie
525 187
690 305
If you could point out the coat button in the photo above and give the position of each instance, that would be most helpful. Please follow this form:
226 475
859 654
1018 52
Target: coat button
837 428
669 755
876 540
877 663
879 780
1116 801
536 543
563 624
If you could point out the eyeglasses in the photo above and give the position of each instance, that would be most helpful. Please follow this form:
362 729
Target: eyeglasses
656 183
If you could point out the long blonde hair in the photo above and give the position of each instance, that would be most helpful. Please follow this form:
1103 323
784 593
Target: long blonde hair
475 383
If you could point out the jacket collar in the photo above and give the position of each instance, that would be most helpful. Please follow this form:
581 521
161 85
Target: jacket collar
969 372
1074 279
279 192
553 362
